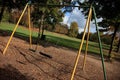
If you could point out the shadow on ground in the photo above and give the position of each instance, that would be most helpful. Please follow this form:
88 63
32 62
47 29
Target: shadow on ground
11 73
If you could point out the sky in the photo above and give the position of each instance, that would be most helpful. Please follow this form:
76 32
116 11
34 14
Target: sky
77 16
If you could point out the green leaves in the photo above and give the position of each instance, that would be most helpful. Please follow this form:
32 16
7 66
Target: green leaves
52 15
73 32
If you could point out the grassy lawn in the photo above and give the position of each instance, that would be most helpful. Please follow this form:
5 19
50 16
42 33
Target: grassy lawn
58 39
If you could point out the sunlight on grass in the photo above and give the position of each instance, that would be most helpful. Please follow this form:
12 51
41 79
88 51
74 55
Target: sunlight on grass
57 39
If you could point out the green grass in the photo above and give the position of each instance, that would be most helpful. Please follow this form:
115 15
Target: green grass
74 43
58 39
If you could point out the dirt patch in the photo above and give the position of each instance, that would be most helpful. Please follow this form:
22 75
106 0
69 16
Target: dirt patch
49 63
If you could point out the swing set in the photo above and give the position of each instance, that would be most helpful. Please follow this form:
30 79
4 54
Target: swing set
87 27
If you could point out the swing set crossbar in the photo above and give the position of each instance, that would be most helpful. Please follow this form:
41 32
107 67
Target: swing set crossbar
63 5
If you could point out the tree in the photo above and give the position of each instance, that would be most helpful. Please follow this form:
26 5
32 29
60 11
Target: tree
45 14
10 4
109 11
80 35
61 28
118 45
73 31
2 9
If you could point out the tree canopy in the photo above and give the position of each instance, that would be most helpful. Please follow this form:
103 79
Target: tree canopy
73 32
109 11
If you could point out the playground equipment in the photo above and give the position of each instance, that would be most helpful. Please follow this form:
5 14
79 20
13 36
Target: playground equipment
101 53
79 52
27 6
87 26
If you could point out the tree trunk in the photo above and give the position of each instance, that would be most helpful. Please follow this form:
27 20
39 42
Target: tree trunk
42 29
118 46
38 38
2 10
114 34
42 26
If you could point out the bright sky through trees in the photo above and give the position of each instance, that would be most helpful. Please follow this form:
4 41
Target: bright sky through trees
78 17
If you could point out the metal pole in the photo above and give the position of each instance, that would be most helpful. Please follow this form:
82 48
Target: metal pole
15 28
78 55
100 45
63 5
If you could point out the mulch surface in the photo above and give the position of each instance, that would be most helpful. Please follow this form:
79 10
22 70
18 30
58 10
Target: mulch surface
49 62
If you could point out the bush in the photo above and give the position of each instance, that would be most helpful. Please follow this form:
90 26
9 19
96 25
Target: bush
93 37
49 27
6 16
106 39
63 29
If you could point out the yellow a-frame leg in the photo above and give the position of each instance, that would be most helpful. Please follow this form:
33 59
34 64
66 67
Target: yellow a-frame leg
78 55
15 29
29 23
86 48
